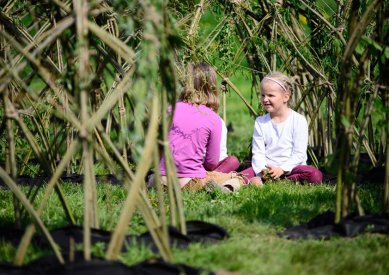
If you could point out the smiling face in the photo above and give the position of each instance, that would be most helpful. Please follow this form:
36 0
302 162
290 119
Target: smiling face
274 99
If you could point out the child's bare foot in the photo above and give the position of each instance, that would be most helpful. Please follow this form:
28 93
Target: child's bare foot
257 181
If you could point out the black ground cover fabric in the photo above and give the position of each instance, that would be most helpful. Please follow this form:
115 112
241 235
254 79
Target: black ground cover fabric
11 234
49 265
197 231
6 269
324 227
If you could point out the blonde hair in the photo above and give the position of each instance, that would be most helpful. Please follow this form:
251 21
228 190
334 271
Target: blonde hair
282 80
201 86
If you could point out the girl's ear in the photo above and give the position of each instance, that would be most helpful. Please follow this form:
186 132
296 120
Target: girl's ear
286 97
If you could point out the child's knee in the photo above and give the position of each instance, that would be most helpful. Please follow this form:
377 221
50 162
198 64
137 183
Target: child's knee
317 176
234 160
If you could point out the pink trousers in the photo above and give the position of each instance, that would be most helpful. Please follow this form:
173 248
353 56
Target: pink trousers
300 173
227 165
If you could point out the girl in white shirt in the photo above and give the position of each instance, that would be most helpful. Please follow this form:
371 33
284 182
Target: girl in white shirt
280 138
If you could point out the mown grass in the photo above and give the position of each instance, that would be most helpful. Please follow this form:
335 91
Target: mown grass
252 217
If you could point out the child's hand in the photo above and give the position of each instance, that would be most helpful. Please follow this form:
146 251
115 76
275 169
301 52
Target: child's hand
275 171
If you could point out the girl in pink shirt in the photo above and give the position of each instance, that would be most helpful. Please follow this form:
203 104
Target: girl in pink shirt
195 134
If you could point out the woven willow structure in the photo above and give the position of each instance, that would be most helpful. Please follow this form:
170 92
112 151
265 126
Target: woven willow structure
90 81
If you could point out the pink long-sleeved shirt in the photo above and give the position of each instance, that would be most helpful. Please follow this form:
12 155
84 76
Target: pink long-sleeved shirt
195 131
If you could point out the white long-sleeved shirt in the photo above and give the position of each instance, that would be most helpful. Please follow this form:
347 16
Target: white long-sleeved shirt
223 142
283 144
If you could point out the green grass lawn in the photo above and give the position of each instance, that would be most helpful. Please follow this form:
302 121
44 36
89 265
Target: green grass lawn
252 217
